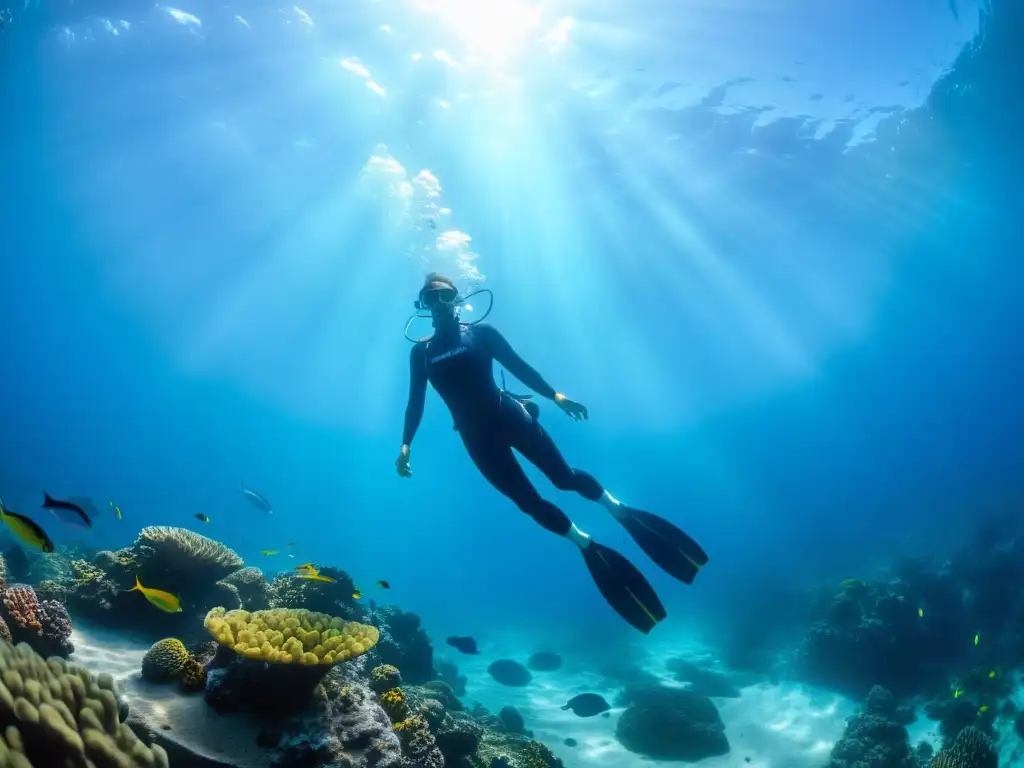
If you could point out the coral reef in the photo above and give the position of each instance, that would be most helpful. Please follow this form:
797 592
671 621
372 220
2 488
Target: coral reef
58 714
176 560
384 677
671 724
403 644
165 661
874 738
334 598
45 625
395 704
251 587
279 657
193 675
418 743
970 749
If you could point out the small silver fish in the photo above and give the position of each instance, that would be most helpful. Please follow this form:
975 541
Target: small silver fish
257 500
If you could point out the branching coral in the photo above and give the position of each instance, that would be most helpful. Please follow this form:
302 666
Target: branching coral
165 661
286 636
58 714
5 631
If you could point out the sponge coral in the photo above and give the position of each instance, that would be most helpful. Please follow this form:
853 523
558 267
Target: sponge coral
165 661
289 636
57 714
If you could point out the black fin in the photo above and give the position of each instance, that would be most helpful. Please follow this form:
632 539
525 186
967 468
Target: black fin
668 546
624 587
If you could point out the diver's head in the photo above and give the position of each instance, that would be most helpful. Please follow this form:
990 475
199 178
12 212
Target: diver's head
439 296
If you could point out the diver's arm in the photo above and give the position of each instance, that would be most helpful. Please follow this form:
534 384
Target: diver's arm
502 351
417 394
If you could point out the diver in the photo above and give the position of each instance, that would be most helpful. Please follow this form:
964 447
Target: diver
457 360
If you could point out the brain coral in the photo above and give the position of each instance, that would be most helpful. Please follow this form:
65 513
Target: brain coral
59 715
165 661
290 636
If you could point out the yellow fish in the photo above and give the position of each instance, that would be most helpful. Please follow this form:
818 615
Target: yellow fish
305 567
977 638
357 595
992 675
117 509
165 601
983 708
268 552
920 612
957 693
315 577
25 530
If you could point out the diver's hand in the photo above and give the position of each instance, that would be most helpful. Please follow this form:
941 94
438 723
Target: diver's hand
402 462
571 408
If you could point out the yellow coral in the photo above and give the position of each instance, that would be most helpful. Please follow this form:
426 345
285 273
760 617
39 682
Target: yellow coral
384 677
85 571
165 660
395 704
290 636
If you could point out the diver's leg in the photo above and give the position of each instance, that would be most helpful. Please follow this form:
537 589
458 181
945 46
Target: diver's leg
668 546
618 580
533 441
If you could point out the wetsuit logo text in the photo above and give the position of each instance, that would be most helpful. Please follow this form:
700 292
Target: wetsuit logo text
449 353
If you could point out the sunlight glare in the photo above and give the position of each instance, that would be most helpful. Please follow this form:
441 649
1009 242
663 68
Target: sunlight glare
495 29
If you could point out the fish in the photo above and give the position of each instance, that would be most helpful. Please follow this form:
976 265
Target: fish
268 552
587 705
290 554
117 510
201 517
983 709
291 544
165 601
305 567
258 501
463 644
992 675
315 577
383 584
920 612
977 638
357 595
25 530
957 693
74 513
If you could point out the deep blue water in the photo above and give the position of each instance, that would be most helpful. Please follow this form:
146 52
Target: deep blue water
775 252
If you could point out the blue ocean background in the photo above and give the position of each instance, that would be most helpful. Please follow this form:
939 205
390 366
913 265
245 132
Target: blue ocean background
774 249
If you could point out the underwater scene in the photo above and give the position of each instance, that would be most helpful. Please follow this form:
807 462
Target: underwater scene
511 384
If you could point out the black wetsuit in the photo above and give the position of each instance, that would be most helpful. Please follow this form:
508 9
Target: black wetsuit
458 362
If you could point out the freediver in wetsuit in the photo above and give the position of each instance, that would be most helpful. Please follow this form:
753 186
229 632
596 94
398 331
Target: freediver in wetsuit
457 360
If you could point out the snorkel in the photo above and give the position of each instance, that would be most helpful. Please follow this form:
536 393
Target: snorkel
440 301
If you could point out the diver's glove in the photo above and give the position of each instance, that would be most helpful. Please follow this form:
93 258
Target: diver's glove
571 408
402 462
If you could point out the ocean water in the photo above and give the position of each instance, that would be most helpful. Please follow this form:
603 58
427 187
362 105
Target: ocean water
774 249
